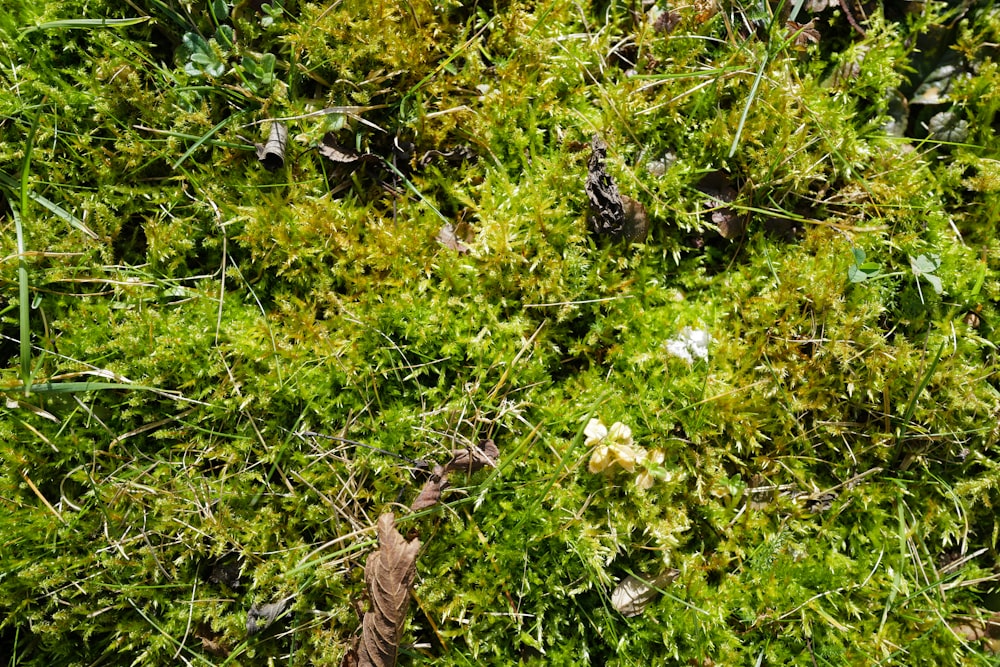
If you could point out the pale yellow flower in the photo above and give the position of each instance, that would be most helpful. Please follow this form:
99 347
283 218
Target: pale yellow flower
644 480
620 433
628 456
612 446
595 432
600 459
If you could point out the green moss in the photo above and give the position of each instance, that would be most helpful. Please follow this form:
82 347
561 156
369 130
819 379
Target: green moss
829 473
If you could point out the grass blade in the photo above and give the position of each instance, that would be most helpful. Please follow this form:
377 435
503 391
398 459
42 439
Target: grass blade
22 302
205 137
85 24
49 205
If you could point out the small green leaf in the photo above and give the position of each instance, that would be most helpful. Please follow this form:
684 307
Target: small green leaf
220 10
924 266
201 59
224 36
935 282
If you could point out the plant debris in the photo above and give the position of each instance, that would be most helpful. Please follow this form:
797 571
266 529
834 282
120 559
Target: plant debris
804 33
211 641
611 215
469 460
634 594
389 574
454 236
272 153
719 188
261 617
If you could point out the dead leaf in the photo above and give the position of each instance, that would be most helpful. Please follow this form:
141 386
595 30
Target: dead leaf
430 494
344 156
389 574
453 236
666 22
805 33
636 222
717 185
611 215
987 631
821 502
211 641
607 213
261 617
350 658
272 153
472 459
454 157
467 460
633 595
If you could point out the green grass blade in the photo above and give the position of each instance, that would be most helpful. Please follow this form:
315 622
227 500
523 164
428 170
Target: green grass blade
749 103
85 24
24 305
50 206
904 427
201 140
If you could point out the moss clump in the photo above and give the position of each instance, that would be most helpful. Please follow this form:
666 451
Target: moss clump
229 372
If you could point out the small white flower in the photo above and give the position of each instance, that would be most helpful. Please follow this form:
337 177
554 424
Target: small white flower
595 432
689 344
600 459
620 433
678 348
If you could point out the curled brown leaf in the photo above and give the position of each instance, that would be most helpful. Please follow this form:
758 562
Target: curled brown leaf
389 574
272 153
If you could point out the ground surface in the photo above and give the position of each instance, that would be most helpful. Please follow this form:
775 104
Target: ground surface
756 424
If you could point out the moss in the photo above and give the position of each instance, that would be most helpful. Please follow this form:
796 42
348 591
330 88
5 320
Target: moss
828 470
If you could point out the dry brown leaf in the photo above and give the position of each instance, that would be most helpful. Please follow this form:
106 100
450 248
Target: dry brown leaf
344 156
211 641
389 574
987 632
607 213
430 494
633 595
453 236
272 153
717 185
467 460
805 33
472 459
666 22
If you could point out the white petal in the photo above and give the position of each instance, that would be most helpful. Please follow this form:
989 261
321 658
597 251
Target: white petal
621 433
595 432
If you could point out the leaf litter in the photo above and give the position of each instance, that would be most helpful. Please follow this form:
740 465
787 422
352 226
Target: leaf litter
272 153
261 617
470 460
389 574
634 594
611 214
